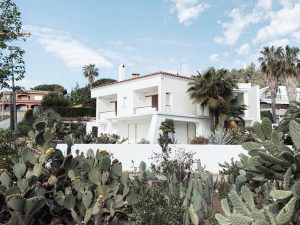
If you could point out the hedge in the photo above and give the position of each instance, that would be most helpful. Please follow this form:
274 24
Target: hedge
75 112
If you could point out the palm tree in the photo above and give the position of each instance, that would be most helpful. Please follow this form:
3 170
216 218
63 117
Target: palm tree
231 108
270 64
210 90
291 64
90 71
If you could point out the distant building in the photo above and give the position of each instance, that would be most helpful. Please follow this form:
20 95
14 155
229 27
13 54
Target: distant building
24 100
134 108
282 101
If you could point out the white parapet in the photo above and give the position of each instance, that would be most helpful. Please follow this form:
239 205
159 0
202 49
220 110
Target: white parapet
132 154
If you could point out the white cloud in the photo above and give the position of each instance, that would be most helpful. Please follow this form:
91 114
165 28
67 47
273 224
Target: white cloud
278 42
283 22
73 53
187 10
296 36
286 3
239 21
214 57
233 30
266 4
244 49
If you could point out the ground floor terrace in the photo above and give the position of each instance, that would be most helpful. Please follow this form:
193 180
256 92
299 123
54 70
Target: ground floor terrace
136 128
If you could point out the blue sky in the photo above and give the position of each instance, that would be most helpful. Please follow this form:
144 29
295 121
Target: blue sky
149 35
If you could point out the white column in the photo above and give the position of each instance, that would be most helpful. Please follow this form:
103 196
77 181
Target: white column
162 96
153 132
89 127
97 108
246 102
108 127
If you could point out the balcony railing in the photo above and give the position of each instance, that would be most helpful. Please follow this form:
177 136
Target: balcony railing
106 114
278 98
144 109
168 108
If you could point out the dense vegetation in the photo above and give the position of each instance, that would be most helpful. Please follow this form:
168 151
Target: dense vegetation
42 186
10 28
51 88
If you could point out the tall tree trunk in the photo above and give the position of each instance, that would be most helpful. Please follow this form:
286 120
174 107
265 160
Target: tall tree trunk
291 87
273 86
211 120
217 118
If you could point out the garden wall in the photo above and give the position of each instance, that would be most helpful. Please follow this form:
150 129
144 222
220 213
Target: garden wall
210 155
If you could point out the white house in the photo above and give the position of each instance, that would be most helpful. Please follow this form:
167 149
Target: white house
134 108
282 101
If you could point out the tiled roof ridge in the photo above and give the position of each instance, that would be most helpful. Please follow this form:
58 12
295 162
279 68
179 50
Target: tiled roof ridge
145 76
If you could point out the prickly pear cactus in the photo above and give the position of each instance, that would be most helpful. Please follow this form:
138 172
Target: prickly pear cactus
241 210
270 160
89 189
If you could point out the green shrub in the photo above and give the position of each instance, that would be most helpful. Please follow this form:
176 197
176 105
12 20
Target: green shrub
75 112
102 139
8 147
199 141
143 141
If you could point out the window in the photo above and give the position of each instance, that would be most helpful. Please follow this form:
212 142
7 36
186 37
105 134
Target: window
125 102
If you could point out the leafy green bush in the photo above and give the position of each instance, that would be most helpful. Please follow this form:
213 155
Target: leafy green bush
102 139
199 141
54 99
75 112
8 147
143 141
169 201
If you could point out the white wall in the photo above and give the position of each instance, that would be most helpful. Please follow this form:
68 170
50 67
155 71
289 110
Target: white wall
181 102
210 155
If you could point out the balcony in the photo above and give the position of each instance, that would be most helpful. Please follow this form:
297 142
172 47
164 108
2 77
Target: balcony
107 114
144 109
280 99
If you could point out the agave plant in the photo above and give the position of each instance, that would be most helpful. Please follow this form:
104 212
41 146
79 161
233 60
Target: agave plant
220 137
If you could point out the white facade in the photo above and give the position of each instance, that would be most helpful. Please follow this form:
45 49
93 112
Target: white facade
135 108
282 101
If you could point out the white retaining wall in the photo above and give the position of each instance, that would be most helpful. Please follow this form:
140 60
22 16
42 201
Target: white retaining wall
132 154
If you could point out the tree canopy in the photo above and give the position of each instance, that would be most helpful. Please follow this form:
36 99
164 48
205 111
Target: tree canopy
54 99
50 87
10 27
83 95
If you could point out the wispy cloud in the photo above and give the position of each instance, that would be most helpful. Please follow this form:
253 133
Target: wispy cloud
61 44
214 57
244 49
239 21
187 10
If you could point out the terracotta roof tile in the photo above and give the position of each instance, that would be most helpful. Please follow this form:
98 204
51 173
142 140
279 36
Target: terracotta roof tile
145 76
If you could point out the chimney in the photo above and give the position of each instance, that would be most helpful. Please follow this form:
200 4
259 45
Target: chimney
135 75
121 72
